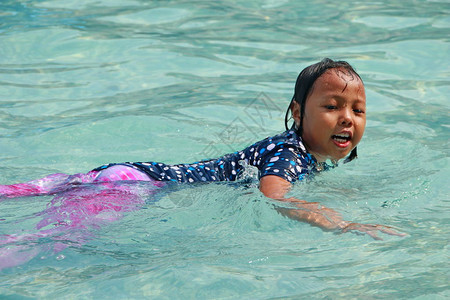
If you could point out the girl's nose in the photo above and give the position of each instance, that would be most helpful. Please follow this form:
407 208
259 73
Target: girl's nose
346 117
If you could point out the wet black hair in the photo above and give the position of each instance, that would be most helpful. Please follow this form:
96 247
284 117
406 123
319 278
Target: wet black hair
303 86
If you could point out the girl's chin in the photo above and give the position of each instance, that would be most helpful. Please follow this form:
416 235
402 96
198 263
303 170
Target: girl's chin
334 156
339 156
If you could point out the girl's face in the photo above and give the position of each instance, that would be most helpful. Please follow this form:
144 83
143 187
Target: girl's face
334 119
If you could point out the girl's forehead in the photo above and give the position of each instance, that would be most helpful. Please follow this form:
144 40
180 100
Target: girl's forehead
340 75
339 79
336 82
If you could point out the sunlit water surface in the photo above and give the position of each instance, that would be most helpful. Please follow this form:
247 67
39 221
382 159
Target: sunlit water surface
88 82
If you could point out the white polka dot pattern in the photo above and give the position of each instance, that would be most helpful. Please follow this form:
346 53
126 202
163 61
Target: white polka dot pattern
282 155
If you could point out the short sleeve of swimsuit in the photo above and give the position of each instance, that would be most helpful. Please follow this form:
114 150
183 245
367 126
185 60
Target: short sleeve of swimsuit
285 156
283 162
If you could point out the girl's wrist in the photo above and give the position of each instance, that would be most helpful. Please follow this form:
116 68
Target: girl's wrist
342 225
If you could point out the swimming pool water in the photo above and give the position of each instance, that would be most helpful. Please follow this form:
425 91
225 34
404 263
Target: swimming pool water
95 81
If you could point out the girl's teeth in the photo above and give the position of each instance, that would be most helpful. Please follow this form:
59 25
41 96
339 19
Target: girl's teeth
341 138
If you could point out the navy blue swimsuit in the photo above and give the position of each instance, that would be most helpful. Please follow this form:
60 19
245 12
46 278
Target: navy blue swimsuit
283 155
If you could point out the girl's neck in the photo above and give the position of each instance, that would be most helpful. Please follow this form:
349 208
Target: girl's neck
319 158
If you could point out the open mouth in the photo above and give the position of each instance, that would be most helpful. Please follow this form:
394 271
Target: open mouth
341 138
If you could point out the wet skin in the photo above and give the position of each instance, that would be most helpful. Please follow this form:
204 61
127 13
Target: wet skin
335 118
333 124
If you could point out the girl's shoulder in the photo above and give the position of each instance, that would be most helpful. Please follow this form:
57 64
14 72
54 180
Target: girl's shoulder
287 138
286 146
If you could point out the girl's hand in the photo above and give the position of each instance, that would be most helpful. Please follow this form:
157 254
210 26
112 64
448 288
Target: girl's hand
315 214
370 229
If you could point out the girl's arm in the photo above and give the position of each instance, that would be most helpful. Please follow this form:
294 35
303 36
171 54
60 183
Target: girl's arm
313 213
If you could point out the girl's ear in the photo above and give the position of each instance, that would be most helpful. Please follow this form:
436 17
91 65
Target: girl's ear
295 109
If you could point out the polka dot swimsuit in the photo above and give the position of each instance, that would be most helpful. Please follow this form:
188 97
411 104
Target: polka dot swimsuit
282 155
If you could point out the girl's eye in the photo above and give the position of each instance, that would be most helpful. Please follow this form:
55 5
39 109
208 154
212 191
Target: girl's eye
330 107
358 111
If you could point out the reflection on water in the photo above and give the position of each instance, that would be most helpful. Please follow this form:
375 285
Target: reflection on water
90 82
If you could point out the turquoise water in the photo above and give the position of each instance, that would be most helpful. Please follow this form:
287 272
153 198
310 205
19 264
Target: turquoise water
88 82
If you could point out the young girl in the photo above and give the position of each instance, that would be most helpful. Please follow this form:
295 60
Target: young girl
328 112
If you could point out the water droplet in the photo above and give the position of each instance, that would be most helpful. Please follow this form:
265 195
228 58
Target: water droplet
60 257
